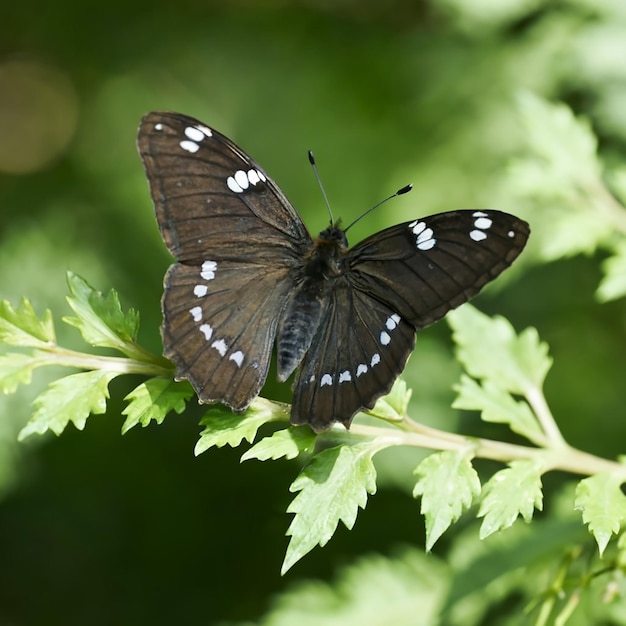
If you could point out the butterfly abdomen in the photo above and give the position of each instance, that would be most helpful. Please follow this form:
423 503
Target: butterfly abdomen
298 326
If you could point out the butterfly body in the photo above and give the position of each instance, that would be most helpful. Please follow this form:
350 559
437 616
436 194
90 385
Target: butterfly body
248 276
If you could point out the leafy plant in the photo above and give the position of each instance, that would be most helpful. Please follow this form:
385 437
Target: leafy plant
503 379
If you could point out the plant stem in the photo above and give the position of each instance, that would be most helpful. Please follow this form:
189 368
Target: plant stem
561 457
81 360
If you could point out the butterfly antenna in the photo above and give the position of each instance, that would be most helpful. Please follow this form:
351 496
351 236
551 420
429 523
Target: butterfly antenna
400 191
319 182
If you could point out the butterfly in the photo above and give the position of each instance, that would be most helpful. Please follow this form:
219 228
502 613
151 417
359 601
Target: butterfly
248 275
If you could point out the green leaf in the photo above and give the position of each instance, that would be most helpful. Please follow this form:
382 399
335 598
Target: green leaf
603 505
224 428
488 347
374 590
331 488
100 318
394 405
565 145
509 493
69 399
287 443
498 406
153 400
16 369
613 284
448 485
22 327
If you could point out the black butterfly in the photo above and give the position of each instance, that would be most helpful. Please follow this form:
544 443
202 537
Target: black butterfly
249 273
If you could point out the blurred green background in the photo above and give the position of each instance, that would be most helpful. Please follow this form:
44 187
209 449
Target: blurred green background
96 528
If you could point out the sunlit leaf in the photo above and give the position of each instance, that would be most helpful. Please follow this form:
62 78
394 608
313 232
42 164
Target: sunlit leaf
331 488
603 505
225 428
99 317
448 485
509 493
489 348
286 443
153 400
21 327
498 406
69 399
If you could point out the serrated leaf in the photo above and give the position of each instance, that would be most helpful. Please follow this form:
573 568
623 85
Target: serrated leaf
488 347
394 405
21 327
509 493
331 488
448 485
566 145
16 369
498 406
153 400
603 505
100 318
613 284
224 428
288 443
69 399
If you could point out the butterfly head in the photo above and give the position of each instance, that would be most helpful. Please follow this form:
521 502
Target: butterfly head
327 257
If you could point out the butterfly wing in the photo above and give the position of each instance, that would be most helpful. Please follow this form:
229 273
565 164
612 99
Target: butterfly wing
357 353
399 280
238 241
424 268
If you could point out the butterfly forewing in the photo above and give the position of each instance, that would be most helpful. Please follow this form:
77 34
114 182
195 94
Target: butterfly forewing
209 195
353 360
427 267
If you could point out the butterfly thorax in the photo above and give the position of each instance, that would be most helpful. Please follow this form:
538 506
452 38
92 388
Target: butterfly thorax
326 259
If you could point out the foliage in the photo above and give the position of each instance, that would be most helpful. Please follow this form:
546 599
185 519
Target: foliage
503 380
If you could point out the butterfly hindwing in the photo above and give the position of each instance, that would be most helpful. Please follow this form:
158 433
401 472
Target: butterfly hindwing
354 359
222 348
424 268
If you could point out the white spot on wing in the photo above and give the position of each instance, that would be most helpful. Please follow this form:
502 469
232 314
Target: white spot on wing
511 234
241 178
478 235
207 331
417 227
190 146
158 126
195 134
361 369
237 357
385 338
375 359
196 313
207 131
479 214
392 321
220 346
208 270
232 185
345 377
253 177
483 223
327 379
200 291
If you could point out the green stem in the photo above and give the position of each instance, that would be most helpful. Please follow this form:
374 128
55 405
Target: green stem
562 457
56 355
